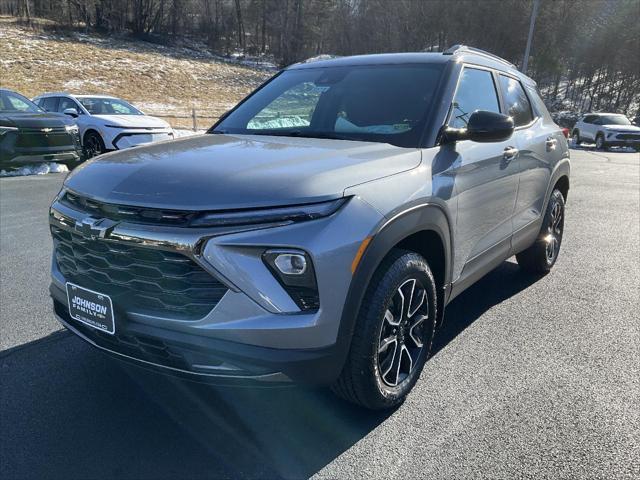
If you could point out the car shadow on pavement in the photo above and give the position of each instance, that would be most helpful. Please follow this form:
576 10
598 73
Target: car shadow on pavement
505 281
68 411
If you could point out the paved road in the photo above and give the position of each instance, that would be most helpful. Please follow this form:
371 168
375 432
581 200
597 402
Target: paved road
536 378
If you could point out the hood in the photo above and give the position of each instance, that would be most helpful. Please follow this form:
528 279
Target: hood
623 128
132 121
221 172
34 120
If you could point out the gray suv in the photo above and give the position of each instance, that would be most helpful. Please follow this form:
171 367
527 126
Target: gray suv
316 233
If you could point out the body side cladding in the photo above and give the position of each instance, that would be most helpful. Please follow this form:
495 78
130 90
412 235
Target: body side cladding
419 218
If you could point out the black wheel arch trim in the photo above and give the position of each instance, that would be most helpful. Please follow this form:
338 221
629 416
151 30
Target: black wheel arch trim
417 218
562 169
88 131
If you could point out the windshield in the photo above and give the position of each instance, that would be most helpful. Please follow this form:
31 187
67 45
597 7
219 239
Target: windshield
375 103
108 106
613 120
11 102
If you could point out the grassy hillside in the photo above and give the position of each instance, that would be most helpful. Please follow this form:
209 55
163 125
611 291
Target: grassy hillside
158 79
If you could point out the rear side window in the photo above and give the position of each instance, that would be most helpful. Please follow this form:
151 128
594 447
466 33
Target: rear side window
476 91
49 104
589 119
516 100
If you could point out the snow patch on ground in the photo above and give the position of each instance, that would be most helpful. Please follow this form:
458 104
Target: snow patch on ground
76 84
37 169
281 122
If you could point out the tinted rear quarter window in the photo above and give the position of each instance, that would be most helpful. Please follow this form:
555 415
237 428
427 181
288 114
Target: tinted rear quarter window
516 101
49 104
476 91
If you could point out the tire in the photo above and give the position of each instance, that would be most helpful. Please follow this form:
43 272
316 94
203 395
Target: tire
540 257
375 376
575 138
92 145
600 143
71 164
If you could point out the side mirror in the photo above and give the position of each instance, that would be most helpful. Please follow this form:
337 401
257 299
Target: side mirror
484 127
71 111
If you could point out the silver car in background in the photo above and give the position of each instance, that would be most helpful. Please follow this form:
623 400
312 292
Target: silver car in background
318 231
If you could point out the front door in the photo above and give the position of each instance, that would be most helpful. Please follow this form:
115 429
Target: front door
486 179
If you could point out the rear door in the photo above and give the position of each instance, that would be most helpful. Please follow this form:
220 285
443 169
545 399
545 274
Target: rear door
588 127
486 179
540 143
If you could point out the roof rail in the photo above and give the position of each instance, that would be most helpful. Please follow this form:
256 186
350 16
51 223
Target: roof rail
53 93
464 48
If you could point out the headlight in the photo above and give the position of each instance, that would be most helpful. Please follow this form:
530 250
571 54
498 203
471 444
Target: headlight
71 128
297 213
4 130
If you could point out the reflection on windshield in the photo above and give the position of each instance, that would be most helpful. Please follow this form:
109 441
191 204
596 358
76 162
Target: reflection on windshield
108 106
11 102
377 103
614 120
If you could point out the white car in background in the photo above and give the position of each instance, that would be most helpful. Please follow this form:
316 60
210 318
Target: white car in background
606 130
106 123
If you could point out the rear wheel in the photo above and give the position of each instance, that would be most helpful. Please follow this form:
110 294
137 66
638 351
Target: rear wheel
393 335
542 255
93 145
600 145
575 138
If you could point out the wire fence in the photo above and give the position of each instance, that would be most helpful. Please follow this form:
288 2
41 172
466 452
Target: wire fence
194 121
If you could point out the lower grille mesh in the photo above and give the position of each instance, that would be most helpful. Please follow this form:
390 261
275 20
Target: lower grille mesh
138 279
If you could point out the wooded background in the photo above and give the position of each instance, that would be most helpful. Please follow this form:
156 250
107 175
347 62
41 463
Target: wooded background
585 53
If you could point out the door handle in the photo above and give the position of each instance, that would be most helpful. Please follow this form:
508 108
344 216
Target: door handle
551 144
509 154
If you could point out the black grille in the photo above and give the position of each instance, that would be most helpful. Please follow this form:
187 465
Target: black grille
128 213
628 136
36 138
138 279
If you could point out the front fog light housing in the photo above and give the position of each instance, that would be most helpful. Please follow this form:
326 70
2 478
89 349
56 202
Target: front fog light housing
294 271
291 263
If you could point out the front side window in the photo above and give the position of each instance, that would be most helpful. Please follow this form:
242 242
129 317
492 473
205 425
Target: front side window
517 103
13 102
108 106
67 103
476 91
375 103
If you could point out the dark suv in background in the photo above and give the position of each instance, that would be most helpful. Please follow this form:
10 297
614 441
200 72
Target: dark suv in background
28 134
318 231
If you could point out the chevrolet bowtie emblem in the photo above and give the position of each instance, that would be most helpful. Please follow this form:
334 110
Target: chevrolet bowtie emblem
46 130
95 228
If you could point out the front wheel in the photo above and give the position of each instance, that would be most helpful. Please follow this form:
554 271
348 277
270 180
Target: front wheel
393 334
93 145
542 255
600 145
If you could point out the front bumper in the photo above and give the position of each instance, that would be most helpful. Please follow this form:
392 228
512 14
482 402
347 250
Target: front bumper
119 139
256 332
203 359
73 156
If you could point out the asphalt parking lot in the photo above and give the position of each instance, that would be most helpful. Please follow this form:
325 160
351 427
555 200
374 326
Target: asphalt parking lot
532 377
